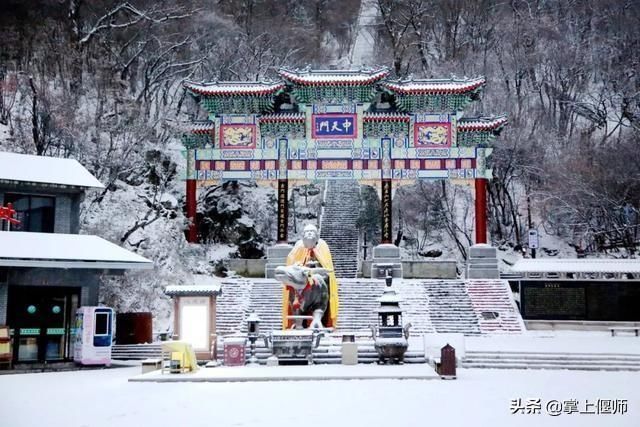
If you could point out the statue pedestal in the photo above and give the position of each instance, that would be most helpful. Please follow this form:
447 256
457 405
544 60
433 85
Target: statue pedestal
482 262
276 256
386 257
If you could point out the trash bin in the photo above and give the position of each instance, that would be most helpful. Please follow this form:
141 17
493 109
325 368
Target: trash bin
349 350
447 366
134 328
234 351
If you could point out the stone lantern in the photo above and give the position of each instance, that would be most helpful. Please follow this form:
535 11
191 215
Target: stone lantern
390 335
253 333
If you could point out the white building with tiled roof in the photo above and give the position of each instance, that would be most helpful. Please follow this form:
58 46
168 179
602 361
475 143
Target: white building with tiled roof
47 269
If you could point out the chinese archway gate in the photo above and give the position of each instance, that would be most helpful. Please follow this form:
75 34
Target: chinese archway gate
331 125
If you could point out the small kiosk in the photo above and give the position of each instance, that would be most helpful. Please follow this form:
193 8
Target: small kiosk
194 314
95 327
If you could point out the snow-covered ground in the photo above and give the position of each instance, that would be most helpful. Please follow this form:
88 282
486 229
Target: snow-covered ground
478 397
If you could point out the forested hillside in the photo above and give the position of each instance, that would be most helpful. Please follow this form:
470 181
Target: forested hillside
100 81
567 73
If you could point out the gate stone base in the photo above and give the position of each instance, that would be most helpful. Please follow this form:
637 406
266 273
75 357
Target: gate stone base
386 257
482 262
276 256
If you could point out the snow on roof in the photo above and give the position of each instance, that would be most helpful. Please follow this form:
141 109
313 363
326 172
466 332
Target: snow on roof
334 77
577 266
202 285
204 127
282 117
388 309
386 117
234 88
482 124
425 87
46 170
389 297
24 249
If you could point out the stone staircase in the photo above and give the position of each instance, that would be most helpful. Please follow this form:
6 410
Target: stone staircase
240 297
359 301
415 305
493 302
266 301
136 351
450 308
549 360
338 225
429 305
232 305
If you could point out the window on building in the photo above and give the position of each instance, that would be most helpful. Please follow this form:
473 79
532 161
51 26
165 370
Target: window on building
35 213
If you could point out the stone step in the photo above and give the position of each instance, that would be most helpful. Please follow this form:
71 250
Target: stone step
338 225
568 366
554 355
572 361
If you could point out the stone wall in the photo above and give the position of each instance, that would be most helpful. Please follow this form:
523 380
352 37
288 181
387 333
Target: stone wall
436 269
421 269
247 267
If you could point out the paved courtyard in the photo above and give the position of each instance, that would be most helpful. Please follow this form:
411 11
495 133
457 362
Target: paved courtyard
98 398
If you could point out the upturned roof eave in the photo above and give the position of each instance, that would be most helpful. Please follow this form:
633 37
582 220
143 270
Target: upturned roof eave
483 124
333 77
234 88
428 87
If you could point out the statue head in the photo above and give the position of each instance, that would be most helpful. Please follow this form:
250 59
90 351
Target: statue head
310 236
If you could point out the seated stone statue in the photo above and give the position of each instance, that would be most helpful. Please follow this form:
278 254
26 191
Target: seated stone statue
312 251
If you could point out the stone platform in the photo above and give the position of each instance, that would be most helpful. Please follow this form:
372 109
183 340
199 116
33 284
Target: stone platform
295 373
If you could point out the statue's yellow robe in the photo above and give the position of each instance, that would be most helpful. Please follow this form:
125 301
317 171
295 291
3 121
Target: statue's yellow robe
300 254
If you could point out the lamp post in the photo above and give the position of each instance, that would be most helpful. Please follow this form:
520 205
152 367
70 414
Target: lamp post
253 333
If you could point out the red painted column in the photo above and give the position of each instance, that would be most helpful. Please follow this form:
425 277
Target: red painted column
481 210
192 234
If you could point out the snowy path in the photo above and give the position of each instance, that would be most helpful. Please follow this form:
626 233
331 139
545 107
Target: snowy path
363 47
479 397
